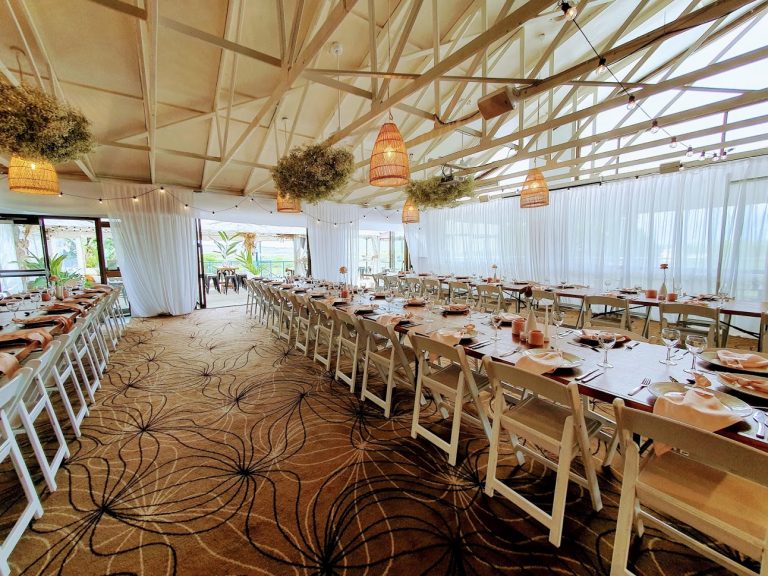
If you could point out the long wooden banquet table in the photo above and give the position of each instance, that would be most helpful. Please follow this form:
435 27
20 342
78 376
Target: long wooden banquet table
637 299
632 364
21 350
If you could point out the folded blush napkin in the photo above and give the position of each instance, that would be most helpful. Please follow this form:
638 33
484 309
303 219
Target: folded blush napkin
35 335
745 382
63 321
698 408
744 361
386 319
541 364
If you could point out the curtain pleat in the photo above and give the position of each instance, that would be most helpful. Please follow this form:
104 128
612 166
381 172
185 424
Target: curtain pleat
334 231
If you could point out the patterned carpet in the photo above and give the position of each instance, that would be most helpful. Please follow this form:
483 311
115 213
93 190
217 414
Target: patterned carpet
213 449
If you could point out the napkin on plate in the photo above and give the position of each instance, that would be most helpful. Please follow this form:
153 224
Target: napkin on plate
415 302
541 364
743 361
457 307
508 317
446 336
8 364
698 408
65 307
745 381
386 319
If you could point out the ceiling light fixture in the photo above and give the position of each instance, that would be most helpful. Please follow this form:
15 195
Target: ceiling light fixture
410 212
32 177
535 192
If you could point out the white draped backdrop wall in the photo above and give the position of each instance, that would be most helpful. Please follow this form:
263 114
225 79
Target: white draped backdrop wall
709 224
333 231
155 240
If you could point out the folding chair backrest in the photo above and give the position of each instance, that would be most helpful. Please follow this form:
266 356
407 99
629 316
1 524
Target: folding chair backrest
704 447
432 286
498 372
426 346
689 310
348 324
12 390
49 358
371 328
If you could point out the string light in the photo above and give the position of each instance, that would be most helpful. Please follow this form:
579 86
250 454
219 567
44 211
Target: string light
654 126
61 194
101 201
186 206
602 67
162 190
673 142
689 152
569 10
631 102
135 199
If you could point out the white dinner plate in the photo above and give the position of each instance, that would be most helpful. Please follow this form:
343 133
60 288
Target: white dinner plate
569 360
735 405
744 389
711 357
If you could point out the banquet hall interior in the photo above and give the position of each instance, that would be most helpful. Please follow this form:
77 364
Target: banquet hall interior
384 287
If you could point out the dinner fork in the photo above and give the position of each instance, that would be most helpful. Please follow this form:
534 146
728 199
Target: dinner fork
643 384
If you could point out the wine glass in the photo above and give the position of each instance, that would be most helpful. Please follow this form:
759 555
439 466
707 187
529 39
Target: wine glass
608 284
496 323
35 298
671 337
607 341
696 345
389 296
557 319
13 305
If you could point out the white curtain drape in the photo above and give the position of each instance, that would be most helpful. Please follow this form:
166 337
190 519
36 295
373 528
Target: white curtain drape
155 240
334 231
706 223
300 254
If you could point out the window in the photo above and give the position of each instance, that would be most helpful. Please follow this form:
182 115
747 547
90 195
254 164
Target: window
22 259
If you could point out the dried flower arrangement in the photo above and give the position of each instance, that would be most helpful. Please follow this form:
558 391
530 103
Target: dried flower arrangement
36 126
313 172
437 192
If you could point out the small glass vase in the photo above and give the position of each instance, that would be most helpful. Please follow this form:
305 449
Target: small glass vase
663 290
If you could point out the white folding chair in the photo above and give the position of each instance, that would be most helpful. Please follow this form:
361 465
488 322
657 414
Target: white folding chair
615 312
324 331
717 486
305 320
9 447
56 368
350 342
550 416
692 319
30 401
78 350
489 298
451 386
395 363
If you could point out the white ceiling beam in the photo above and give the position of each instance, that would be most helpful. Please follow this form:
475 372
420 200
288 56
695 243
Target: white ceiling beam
288 78
496 32
147 46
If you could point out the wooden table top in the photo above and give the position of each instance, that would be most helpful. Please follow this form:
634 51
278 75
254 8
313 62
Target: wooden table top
631 366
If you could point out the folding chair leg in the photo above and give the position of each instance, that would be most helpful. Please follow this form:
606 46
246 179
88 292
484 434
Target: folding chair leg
455 429
561 486
626 514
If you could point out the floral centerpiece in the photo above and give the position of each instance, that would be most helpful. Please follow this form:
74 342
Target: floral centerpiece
438 192
314 172
36 126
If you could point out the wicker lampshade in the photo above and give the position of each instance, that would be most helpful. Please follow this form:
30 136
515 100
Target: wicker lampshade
535 191
410 212
32 177
389 159
287 204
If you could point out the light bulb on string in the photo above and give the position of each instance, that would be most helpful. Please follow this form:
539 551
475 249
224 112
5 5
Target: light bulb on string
673 142
689 152
654 126
631 102
186 206
162 189
602 67
569 10
61 194
101 201
135 199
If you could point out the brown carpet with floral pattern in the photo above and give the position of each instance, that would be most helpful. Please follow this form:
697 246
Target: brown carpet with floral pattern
214 449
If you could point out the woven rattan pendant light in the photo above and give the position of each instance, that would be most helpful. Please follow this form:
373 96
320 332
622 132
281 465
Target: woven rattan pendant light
288 205
410 212
32 177
389 159
535 191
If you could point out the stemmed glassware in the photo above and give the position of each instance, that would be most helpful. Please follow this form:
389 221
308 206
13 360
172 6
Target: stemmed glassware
496 323
608 284
607 341
696 344
671 337
13 305
557 319
35 298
